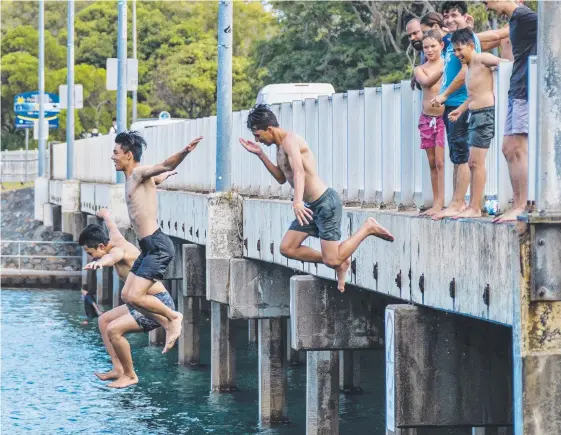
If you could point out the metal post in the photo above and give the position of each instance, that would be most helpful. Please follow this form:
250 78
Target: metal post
122 74
26 152
494 26
224 96
70 93
41 88
134 95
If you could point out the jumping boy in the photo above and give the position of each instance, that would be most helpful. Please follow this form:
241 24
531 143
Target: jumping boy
318 209
431 123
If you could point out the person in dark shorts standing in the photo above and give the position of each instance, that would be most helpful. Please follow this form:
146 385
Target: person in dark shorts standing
523 26
90 307
318 209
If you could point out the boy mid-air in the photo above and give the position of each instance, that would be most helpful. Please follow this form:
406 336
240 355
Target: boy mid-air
318 209
114 250
481 105
431 123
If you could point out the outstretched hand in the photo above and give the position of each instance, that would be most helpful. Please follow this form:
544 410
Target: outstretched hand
103 213
303 214
252 147
193 144
169 174
94 265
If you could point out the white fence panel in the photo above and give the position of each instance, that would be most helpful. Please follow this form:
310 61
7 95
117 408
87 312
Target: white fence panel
388 156
532 126
408 149
59 161
501 101
286 123
21 166
340 144
355 147
373 144
325 140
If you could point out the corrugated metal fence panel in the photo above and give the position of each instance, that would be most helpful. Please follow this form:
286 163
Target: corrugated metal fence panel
388 154
325 140
373 144
408 150
532 126
355 147
340 144
286 123
501 101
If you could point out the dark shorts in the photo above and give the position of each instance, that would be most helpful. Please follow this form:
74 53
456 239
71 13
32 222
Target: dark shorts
157 251
457 135
516 117
146 323
326 222
481 127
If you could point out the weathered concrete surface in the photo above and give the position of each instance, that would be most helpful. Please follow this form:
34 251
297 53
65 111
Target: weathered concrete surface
48 215
194 270
323 318
41 197
272 373
223 242
322 392
258 290
189 342
252 331
537 354
448 370
70 196
349 371
117 290
57 217
104 285
73 223
293 357
157 337
90 219
222 350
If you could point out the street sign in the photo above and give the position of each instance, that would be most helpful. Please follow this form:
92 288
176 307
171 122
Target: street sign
111 74
164 115
26 106
78 96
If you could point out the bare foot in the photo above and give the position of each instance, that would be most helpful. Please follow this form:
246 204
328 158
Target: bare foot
124 382
509 216
377 230
173 332
341 273
448 212
112 374
431 211
468 213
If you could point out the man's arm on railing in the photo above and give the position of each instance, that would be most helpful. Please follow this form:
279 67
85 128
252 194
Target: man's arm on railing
167 165
273 169
111 225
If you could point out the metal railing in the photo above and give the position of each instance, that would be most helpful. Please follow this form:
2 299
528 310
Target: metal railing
20 165
16 252
366 145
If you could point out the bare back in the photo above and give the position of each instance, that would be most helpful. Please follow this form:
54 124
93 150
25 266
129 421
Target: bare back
314 187
431 92
142 204
479 83
131 252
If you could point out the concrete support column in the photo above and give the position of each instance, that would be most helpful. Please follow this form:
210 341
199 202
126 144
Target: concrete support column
272 373
445 370
104 285
252 331
41 197
48 215
157 337
349 372
57 217
190 338
117 290
322 393
73 222
293 357
222 349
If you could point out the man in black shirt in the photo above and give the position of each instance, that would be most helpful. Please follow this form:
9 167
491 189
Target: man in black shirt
91 308
523 25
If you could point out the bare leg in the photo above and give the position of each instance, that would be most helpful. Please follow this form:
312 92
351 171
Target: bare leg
515 150
135 293
458 203
116 332
291 247
435 157
477 166
104 320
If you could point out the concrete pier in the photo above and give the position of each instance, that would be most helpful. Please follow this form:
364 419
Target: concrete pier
73 223
322 393
252 331
189 342
222 349
104 285
293 357
117 290
272 373
445 370
157 337
57 217
349 372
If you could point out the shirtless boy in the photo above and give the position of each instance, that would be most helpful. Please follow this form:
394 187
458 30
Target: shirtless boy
318 209
114 250
431 123
157 249
481 105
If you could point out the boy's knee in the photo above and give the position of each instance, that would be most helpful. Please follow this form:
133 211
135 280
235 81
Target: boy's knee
103 320
332 262
286 250
439 164
113 332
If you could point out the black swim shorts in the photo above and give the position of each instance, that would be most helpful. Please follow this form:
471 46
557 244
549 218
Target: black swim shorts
481 130
146 323
157 251
327 214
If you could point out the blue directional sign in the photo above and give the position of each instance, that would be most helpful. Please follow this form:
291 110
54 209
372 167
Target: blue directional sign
26 106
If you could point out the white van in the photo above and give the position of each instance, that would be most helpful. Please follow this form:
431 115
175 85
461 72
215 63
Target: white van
288 92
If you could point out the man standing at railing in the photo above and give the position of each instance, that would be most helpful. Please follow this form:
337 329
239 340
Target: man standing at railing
318 209
157 249
523 26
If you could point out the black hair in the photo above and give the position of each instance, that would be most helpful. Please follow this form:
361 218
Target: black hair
92 236
461 7
433 18
261 117
131 141
434 34
463 36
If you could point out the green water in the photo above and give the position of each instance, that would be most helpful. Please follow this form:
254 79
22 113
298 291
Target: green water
48 386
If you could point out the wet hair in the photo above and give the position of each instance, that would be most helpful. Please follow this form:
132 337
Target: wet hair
261 117
92 236
463 37
461 7
434 34
433 18
131 141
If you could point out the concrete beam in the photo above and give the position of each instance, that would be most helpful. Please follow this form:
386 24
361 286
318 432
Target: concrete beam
258 290
446 370
272 373
189 352
194 270
322 393
322 318
222 350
